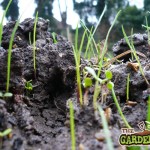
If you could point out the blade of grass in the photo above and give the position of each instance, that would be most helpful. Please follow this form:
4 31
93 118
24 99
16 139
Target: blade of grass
101 61
72 126
131 45
106 129
9 55
34 44
1 24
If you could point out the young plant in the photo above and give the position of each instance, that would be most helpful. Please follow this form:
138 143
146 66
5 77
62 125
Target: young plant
54 37
131 46
77 55
1 24
106 129
5 132
34 43
6 95
72 126
110 86
9 55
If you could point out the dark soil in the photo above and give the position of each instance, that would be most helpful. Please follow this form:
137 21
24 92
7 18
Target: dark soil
40 118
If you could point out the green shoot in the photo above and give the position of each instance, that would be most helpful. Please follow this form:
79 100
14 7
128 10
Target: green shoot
110 85
5 132
34 44
72 126
106 129
29 85
9 55
101 62
77 55
131 46
54 37
1 24
127 88
6 94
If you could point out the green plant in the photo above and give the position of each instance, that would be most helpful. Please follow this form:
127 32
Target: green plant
127 88
5 132
9 55
6 94
77 55
106 129
28 85
54 37
131 45
1 24
72 126
34 43
110 86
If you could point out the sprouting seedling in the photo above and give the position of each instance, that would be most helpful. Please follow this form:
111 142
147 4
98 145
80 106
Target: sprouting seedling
110 86
147 28
5 132
72 126
6 95
131 45
29 85
106 129
9 55
77 55
86 83
1 24
34 44
54 37
127 88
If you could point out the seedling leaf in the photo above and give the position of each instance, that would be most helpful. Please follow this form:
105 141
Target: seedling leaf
92 72
6 132
108 74
1 94
8 94
110 85
87 82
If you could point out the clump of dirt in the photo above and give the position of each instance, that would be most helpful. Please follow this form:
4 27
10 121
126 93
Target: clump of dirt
40 118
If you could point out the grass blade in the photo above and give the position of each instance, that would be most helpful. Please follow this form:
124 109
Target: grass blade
72 126
106 129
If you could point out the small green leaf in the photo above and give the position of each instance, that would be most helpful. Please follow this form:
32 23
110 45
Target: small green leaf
108 74
110 85
92 72
6 132
1 94
87 82
7 94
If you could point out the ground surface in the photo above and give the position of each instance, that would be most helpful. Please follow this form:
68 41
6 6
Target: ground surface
40 118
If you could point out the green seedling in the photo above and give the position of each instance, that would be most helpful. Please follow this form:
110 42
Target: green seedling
72 126
147 28
54 37
110 86
127 88
131 45
87 82
6 95
34 43
77 55
1 24
106 129
29 85
9 55
5 132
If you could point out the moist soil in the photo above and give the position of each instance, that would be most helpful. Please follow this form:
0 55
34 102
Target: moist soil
39 118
